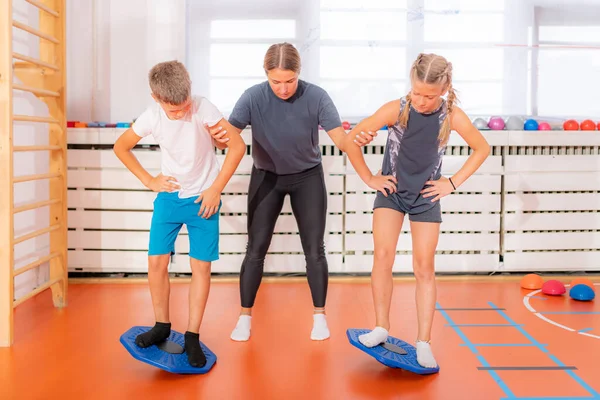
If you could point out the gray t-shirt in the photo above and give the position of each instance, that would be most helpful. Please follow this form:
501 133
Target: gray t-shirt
285 133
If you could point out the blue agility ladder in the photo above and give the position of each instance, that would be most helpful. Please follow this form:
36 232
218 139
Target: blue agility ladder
485 366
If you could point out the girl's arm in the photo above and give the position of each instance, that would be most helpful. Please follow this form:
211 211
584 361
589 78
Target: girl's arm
386 115
460 122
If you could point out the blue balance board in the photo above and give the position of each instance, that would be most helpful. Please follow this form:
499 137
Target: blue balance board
176 363
395 353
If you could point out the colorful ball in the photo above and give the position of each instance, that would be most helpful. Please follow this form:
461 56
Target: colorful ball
553 288
480 124
544 126
514 123
588 125
496 124
346 125
571 125
531 125
582 281
582 293
532 282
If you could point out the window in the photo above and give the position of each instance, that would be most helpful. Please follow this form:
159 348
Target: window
363 25
225 92
362 54
568 62
464 28
570 34
364 4
253 29
224 60
474 64
361 51
363 63
467 33
225 56
464 5
567 82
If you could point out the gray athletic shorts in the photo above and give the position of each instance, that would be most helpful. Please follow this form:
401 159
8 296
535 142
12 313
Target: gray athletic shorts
433 214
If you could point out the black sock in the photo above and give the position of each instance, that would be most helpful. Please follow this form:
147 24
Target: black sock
157 334
194 352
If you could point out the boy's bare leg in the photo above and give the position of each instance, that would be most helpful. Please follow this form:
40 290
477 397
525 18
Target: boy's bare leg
199 290
158 280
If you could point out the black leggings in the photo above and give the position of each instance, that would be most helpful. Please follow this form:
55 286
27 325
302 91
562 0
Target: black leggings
309 205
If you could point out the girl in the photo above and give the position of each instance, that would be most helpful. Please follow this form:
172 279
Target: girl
285 113
411 183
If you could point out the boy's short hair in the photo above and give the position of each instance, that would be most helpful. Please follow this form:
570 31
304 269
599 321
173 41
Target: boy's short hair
170 82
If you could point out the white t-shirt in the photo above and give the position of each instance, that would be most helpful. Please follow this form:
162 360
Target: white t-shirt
187 151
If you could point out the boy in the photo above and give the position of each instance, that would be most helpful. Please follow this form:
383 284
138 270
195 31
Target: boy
189 175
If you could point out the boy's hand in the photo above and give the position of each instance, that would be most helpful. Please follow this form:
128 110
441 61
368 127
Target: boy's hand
218 133
383 183
163 183
211 199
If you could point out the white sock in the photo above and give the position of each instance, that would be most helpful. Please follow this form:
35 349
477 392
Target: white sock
320 330
425 356
241 332
375 337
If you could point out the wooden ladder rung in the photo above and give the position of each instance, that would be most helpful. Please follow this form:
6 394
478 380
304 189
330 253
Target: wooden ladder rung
35 32
33 206
35 264
35 61
28 118
43 7
40 92
37 291
36 148
35 234
36 177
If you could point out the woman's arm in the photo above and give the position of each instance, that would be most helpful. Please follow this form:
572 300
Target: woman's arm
211 197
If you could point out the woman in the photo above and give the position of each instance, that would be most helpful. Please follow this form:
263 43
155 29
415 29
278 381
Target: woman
285 113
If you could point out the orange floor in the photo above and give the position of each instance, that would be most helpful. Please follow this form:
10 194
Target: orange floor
75 353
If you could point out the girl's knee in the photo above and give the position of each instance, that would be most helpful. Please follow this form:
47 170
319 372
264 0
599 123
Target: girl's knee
384 259
424 270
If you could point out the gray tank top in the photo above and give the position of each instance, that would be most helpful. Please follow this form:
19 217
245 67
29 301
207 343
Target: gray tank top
414 155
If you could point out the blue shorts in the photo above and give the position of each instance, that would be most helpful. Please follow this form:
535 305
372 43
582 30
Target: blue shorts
170 213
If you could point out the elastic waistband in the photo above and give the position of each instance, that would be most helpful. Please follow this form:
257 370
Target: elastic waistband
174 196
316 169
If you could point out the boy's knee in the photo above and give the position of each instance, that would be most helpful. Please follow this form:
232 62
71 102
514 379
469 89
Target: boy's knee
159 263
200 267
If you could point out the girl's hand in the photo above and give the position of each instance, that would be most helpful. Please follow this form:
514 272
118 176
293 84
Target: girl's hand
440 188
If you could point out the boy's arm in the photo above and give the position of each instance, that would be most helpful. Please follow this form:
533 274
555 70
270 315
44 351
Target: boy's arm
386 115
211 197
122 149
219 145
